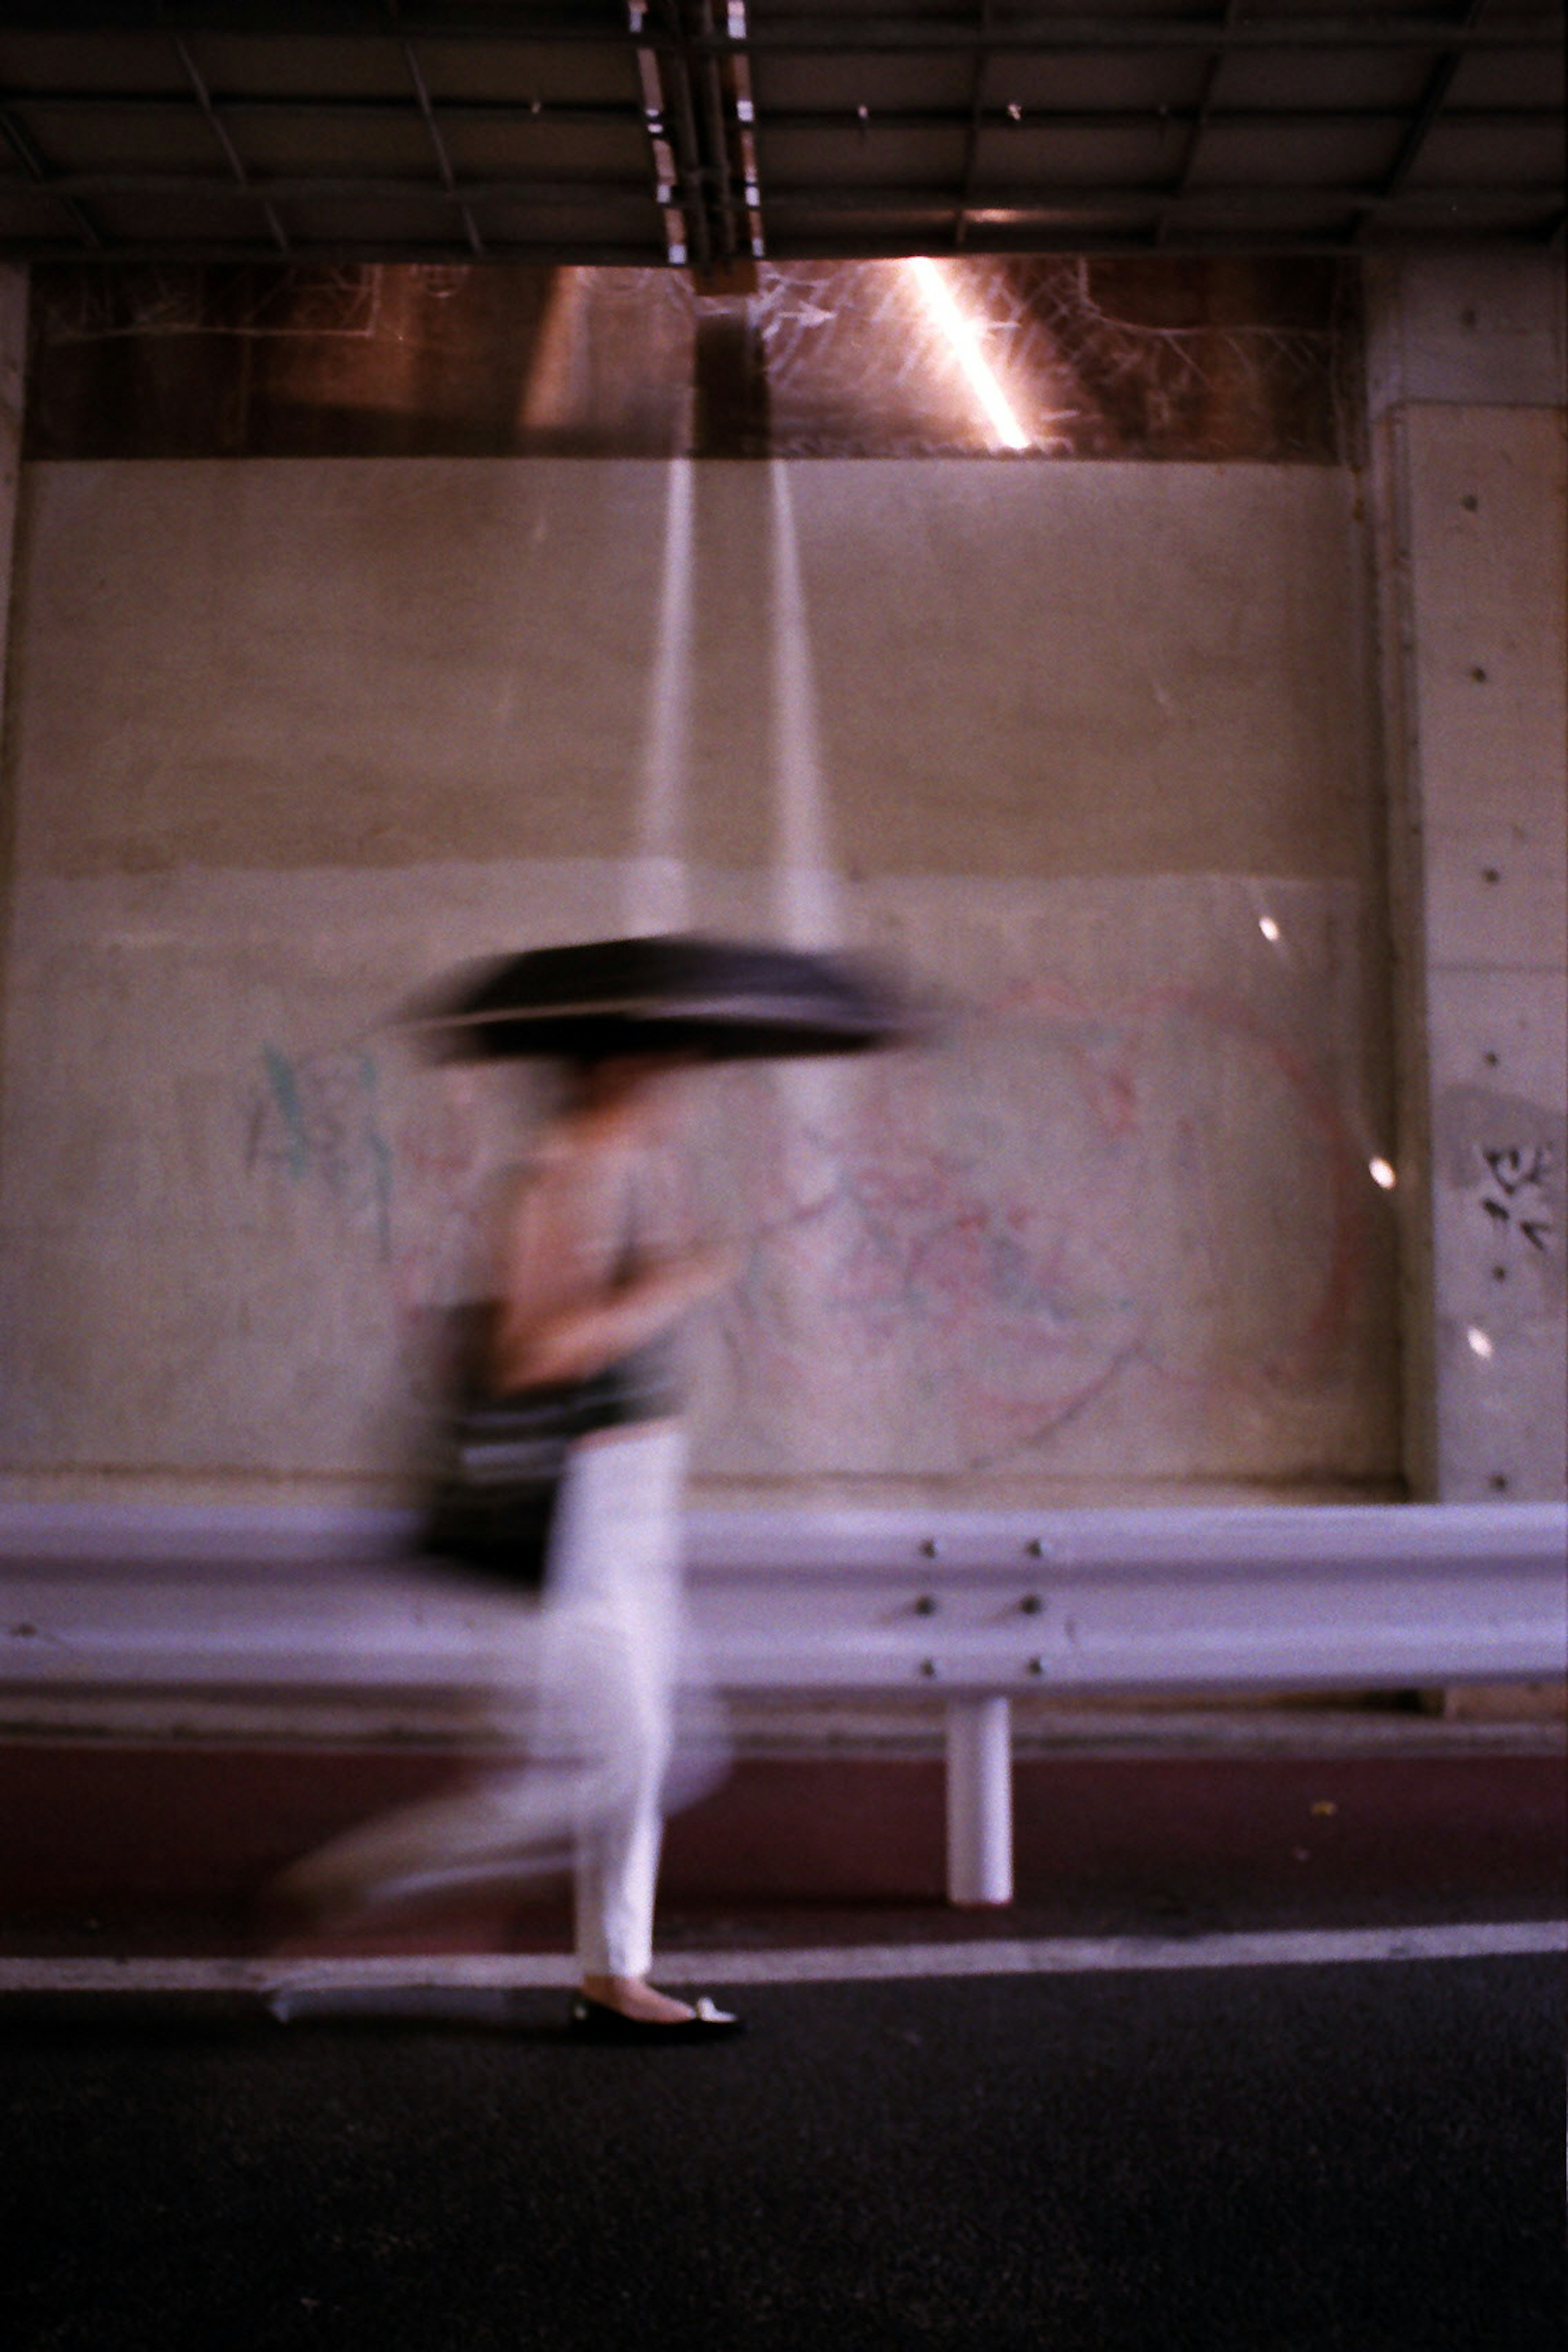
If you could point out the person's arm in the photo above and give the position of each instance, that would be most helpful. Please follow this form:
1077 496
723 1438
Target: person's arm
577 1340
563 1314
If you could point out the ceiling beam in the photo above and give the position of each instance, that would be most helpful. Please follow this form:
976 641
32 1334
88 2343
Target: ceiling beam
38 172
974 127
350 252
491 112
1137 238
1432 101
1044 34
604 23
345 188
1204 110
627 114
438 142
230 152
935 201
1073 238
939 198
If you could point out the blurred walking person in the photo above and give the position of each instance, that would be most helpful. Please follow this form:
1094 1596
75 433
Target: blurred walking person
592 1281
570 1454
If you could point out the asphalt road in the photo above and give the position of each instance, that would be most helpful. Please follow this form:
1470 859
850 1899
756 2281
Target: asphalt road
1274 2159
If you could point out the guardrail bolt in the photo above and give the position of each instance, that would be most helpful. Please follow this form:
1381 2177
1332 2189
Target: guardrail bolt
931 1548
926 1606
1037 1665
928 1668
1031 1604
1036 1547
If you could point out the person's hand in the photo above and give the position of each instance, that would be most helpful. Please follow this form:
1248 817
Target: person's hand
708 1268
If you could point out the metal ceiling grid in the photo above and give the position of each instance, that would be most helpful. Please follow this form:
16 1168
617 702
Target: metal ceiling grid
709 131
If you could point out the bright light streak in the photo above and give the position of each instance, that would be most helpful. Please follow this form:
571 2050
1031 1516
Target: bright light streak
1269 927
960 333
1381 1172
1479 1343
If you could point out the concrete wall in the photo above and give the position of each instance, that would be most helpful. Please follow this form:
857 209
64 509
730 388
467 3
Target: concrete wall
1467 396
288 737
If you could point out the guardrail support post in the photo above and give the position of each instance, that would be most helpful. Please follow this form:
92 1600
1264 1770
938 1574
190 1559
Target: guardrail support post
979 1801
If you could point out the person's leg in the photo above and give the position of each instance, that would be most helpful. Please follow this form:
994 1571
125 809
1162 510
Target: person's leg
619 1562
617 1869
540 1680
505 1825
616 1878
604 1653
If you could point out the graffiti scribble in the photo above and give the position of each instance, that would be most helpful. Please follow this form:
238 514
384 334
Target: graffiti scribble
1516 1193
316 1119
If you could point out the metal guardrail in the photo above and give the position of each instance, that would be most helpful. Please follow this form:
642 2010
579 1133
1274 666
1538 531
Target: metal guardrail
972 1605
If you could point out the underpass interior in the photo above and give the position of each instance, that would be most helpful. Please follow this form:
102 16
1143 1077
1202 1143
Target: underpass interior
1073 507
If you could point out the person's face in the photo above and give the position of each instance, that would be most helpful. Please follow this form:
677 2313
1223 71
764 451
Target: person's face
654 1086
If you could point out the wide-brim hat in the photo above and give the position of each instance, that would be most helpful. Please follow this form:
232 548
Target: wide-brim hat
675 992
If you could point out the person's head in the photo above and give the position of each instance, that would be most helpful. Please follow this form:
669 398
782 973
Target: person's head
622 1080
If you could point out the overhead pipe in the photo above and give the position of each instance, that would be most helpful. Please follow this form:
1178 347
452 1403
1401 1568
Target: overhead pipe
675 69
718 133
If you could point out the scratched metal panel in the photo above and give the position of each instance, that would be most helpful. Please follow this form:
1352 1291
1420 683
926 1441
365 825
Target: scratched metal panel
1218 360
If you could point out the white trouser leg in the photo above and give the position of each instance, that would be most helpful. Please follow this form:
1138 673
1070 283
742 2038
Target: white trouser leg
605 1649
616 1570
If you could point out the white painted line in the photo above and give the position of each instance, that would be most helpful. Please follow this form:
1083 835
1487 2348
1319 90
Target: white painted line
845 1963
1075 1957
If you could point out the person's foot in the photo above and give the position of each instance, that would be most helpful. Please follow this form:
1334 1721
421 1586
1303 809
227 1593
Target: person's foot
628 2009
634 1997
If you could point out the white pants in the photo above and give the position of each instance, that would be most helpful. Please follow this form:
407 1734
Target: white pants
613 1627
606 1649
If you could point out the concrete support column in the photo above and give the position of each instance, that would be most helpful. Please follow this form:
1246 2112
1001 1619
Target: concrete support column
1468 388
13 383
13 378
979 1801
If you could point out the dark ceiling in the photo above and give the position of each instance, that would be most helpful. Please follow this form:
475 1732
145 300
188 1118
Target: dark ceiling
701 133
